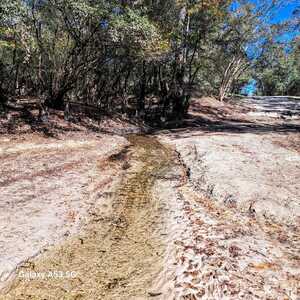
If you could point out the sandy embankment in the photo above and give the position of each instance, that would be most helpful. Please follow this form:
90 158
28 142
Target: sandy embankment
226 245
237 236
48 189
248 171
222 212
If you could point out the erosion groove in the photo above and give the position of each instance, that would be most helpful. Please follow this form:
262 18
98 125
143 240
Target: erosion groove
119 255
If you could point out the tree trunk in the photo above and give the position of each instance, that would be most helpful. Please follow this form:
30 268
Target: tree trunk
142 95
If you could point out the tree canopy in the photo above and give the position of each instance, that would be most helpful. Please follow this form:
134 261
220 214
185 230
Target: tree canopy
142 57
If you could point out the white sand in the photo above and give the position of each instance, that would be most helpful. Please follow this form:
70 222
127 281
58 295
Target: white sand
47 190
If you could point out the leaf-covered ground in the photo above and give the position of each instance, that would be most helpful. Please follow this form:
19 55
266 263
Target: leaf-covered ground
212 215
238 236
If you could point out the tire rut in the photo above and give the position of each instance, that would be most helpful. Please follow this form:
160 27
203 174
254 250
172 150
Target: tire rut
119 256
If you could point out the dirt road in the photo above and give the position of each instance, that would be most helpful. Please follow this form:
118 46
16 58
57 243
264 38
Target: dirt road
48 187
283 107
120 252
207 211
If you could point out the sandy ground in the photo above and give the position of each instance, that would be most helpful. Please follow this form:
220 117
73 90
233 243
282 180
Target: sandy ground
48 188
238 233
247 171
120 251
219 253
212 215
243 161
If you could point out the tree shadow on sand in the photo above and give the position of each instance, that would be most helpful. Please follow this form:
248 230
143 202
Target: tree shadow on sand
216 121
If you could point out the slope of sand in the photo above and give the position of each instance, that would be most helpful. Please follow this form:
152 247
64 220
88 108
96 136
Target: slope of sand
47 190
216 218
237 232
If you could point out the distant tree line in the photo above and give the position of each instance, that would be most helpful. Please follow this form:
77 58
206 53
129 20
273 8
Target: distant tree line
278 69
141 58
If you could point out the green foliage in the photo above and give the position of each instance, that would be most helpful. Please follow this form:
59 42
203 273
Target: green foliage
278 69
138 33
104 52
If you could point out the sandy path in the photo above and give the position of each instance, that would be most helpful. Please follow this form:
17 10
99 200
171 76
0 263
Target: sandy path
238 236
47 189
220 222
121 251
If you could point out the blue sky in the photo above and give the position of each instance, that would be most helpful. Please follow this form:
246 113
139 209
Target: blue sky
281 14
286 12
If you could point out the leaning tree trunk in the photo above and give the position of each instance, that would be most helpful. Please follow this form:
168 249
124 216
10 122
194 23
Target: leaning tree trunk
233 71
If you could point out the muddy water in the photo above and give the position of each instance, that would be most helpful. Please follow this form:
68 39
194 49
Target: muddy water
121 252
